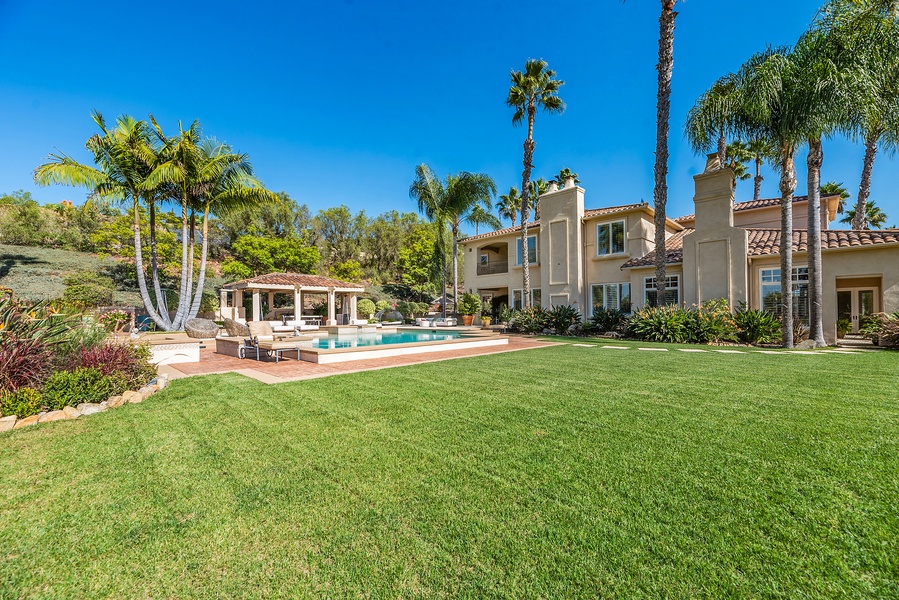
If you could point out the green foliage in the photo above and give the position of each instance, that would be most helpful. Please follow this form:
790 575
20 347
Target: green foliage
417 262
365 308
257 256
348 270
337 233
128 364
756 326
506 314
23 363
86 289
562 317
712 323
883 329
410 309
844 326
608 319
280 217
382 305
85 384
116 237
209 302
533 319
469 304
671 324
23 402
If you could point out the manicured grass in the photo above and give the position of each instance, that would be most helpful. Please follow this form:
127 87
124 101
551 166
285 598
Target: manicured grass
560 472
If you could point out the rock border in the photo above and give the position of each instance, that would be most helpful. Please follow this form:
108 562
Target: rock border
88 408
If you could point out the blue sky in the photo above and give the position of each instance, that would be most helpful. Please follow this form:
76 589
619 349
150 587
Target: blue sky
336 102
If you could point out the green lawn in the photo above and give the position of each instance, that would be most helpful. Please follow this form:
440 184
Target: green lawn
559 472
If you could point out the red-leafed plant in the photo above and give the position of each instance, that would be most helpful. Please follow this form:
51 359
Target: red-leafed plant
23 363
128 360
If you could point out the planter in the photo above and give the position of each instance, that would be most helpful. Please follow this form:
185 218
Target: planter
467 320
485 322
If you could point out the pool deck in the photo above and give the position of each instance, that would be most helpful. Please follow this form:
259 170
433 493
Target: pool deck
268 371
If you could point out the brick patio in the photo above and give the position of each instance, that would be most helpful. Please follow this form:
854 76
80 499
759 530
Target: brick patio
268 371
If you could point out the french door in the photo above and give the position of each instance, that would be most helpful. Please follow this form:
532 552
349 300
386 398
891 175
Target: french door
854 304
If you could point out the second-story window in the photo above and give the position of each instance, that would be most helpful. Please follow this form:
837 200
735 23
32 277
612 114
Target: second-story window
532 250
610 238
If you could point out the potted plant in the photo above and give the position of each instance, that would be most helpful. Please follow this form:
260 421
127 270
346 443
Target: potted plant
468 306
844 326
486 309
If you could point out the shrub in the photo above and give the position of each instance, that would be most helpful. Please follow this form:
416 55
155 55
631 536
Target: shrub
23 402
608 319
410 309
128 362
23 363
469 304
382 305
87 288
844 326
533 319
365 307
114 320
661 324
712 323
562 317
756 326
70 388
882 329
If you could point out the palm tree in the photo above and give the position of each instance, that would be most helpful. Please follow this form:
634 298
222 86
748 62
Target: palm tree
875 219
531 89
450 205
479 216
773 108
124 157
509 205
868 32
762 150
536 190
564 175
832 188
737 155
714 116
663 115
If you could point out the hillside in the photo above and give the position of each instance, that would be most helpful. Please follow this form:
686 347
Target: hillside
37 273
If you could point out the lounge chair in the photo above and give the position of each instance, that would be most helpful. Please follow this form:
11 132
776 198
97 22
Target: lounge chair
274 344
441 322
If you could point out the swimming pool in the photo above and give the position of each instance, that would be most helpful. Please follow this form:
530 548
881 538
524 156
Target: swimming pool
333 342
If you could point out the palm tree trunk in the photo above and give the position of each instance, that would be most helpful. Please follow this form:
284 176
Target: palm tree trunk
456 264
529 145
816 291
141 276
787 186
860 221
663 111
154 266
722 142
201 279
183 298
757 182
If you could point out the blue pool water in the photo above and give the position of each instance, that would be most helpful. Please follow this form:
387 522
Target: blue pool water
380 339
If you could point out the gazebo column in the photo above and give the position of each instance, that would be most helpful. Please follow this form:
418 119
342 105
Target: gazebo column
353 313
224 311
332 318
271 301
257 305
297 304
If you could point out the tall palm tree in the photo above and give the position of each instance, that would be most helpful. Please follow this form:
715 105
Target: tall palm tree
663 115
773 108
479 216
713 117
509 205
875 218
762 150
564 175
832 188
450 205
124 157
531 89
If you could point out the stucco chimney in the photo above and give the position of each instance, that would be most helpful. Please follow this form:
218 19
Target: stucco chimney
553 187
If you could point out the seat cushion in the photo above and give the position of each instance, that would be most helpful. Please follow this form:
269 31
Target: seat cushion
261 330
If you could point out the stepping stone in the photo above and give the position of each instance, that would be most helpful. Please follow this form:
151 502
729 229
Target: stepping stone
801 352
730 351
691 350
585 345
654 349
838 352
617 347
768 352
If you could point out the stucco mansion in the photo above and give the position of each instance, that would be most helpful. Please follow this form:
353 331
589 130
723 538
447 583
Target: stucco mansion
605 257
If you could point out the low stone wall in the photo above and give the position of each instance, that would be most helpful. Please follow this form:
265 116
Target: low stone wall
74 412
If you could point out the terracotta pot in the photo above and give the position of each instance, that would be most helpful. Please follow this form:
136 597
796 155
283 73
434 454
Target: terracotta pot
467 320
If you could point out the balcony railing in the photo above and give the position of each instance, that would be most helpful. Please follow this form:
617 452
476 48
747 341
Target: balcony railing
494 267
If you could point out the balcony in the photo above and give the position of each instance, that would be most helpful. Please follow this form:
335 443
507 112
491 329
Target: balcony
494 267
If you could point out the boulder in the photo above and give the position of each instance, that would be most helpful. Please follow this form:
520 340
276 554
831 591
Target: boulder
89 408
392 316
236 329
7 423
132 397
71 412
806 345
115 401
201 328
53 415
164 380
27 421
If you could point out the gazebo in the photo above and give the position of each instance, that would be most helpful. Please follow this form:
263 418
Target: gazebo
297 284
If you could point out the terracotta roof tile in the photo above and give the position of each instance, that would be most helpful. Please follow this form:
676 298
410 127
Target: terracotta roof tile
293 279
592 212
767 241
